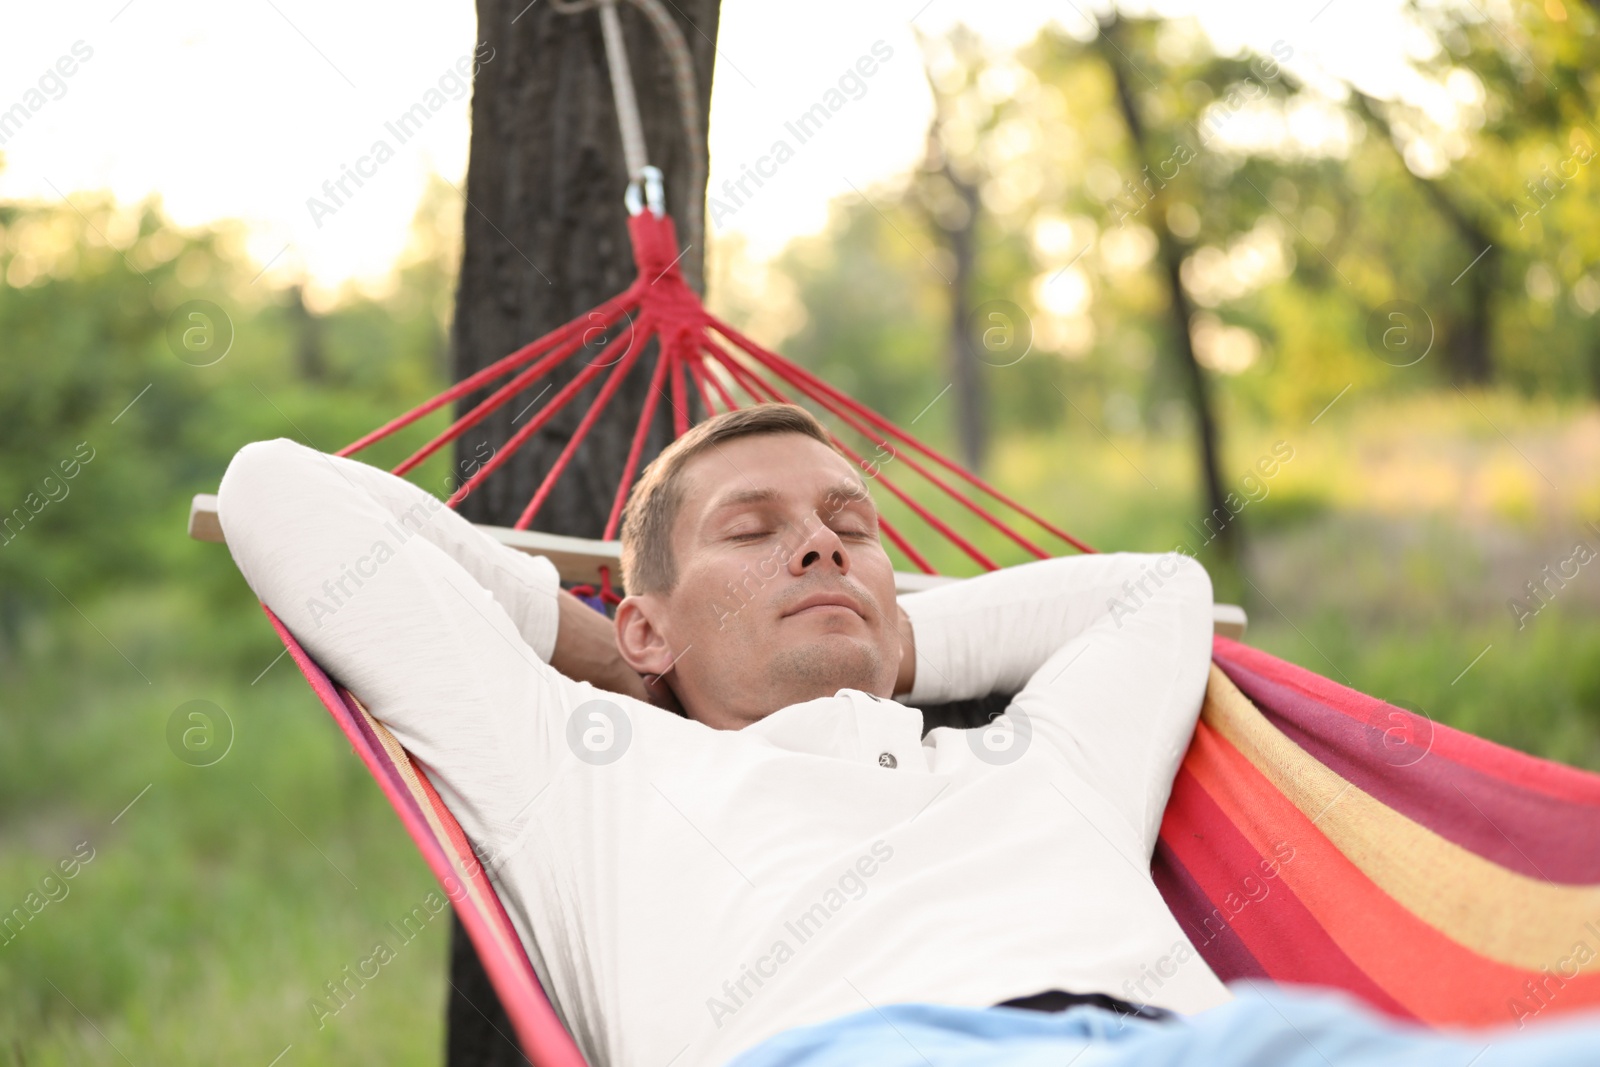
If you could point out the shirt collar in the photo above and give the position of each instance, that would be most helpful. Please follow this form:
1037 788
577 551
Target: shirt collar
851 725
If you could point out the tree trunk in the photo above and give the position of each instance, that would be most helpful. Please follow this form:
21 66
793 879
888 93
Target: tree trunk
959 231
1472 348
971 402
1468 347
1180 309
310 359
545 239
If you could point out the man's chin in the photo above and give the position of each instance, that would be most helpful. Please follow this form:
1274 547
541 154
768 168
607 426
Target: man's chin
826 663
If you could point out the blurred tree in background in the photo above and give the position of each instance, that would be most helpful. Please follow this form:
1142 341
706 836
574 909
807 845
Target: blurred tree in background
1194 238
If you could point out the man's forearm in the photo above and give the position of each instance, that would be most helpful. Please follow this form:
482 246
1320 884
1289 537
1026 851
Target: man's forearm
990 633
586 651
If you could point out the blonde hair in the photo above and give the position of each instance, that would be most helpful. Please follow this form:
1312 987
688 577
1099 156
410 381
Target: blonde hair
648 563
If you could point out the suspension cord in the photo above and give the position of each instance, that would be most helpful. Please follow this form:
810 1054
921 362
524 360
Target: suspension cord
642 176
633 150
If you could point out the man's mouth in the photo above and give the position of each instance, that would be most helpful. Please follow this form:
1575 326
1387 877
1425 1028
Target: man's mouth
825 602
823 607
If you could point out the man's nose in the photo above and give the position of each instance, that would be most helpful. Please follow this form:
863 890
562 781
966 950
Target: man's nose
819 543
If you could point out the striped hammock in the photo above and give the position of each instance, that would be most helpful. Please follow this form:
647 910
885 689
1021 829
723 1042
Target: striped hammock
1314 835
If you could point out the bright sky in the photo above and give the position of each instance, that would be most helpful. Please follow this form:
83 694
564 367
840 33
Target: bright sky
244 109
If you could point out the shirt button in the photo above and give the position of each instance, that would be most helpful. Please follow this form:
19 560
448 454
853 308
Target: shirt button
886 759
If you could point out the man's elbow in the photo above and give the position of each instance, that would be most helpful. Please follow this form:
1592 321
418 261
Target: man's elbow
1191 577
1165 576
258 476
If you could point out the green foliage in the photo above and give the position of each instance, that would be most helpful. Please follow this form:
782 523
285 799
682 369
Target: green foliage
881 341
214 907
1290 242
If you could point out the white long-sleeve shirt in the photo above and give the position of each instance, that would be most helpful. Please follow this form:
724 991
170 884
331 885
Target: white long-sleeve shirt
686 892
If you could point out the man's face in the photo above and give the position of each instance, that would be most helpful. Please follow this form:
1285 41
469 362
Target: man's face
770 524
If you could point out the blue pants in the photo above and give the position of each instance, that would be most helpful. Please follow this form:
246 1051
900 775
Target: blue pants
1267 1025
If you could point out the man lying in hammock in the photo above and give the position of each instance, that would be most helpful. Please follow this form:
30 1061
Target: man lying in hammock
717 824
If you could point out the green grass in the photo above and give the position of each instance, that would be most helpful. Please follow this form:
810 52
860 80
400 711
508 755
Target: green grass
217 905
220 902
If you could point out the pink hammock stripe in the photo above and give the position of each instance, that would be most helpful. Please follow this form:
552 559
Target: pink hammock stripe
449 855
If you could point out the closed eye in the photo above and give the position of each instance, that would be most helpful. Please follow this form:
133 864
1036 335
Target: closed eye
755 534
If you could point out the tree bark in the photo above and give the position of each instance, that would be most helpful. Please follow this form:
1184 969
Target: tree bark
544 240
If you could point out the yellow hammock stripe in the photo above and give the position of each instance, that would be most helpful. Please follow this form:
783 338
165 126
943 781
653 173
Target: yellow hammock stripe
1508 917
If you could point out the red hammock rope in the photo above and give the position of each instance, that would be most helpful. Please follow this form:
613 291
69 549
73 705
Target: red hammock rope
693 346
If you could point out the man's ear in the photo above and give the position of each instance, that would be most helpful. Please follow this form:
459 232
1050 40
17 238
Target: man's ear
640 641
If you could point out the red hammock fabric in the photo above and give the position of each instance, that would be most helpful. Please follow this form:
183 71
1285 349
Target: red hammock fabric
1314 834
449 855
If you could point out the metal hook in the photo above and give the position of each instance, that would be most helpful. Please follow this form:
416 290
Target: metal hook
654 193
